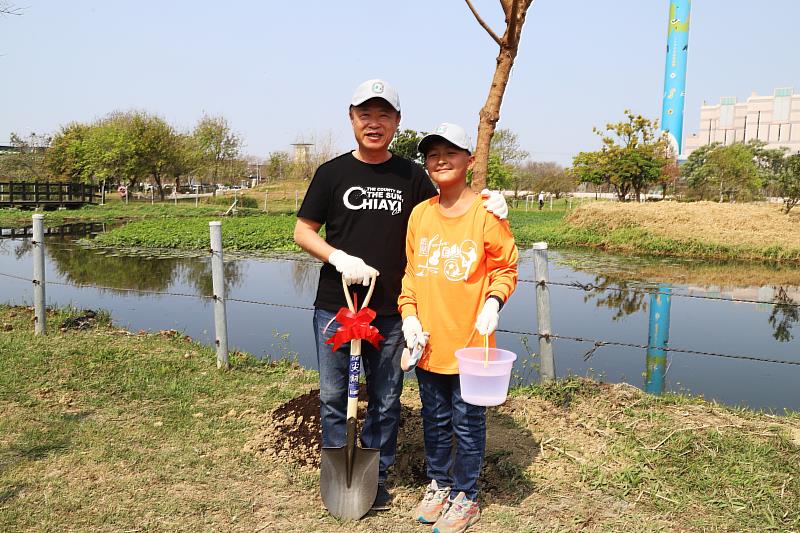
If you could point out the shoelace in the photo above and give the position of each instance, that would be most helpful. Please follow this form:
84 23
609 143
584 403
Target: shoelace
435 494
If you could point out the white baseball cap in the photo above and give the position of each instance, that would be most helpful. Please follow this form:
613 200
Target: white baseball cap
376 88
452 133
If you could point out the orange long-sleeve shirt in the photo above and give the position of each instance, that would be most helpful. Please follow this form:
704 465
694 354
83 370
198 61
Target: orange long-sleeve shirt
454 264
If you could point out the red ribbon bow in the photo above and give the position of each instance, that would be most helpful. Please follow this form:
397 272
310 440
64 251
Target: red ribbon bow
355 326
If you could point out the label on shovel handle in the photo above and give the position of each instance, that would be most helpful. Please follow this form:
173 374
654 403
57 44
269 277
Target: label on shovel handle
355 370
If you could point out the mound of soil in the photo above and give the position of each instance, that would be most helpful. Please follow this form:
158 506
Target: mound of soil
291 434
292 431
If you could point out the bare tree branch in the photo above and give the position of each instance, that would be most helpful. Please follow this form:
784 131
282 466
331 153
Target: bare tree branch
506 4
9 9
485 26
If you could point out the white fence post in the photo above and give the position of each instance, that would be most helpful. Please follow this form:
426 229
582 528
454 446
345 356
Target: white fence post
39 310
547 371
218 282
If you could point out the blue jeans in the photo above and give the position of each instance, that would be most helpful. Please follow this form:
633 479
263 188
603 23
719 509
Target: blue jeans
384 385
444 414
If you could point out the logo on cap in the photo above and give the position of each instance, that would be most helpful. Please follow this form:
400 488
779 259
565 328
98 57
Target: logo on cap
441 129
377 87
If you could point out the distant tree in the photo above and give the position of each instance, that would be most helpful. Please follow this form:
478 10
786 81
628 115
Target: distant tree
551 177
515 12
720 171
505 145
505 157
66 158
632 158
27 161
788 181
405 144
217 146
500 175
160 149
769 162
278 165
591 167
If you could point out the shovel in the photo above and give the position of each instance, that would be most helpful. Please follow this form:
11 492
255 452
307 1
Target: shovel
348 480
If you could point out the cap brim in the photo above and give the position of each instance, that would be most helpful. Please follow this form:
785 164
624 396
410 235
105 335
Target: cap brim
431 137
356 103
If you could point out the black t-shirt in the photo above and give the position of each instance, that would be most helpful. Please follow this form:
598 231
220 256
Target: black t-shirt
365 209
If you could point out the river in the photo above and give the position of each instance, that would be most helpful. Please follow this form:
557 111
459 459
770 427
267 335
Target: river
614 308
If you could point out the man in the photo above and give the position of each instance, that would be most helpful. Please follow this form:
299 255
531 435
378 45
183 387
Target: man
364 199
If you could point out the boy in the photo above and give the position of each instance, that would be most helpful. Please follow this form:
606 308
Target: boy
462 264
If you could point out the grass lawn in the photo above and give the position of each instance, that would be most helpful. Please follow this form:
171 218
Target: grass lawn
107 430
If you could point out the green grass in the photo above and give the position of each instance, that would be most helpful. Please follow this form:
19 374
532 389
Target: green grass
252 233
560 392
110 212
92 419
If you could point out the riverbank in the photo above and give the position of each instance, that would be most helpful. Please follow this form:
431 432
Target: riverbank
114 211
707 230
701 230
107 429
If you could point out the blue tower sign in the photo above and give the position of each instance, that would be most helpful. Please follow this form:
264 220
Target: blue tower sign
675 72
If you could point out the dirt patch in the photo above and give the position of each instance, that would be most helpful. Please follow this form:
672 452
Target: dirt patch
291 433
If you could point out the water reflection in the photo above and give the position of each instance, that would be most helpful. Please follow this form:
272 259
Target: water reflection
626 298
657 340
83 266
785 313
305 275
619 296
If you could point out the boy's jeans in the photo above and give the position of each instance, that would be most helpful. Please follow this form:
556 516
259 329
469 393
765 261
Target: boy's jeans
445 413
384 385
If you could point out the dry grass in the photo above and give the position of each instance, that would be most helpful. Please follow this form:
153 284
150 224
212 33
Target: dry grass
745 225
103 430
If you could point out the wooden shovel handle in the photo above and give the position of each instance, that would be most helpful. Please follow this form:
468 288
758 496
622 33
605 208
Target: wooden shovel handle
366 299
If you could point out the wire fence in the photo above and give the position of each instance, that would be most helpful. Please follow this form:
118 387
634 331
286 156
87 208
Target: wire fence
589 287
596 343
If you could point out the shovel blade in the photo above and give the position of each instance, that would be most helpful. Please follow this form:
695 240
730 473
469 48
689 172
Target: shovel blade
353 501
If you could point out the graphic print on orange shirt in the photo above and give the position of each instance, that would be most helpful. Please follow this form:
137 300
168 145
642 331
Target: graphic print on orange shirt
454 260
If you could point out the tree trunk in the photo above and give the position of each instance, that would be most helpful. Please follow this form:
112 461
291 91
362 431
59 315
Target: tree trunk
489 115
515 11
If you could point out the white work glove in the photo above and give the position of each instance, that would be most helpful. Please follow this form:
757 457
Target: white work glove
353 269
495 203
412 331
487 319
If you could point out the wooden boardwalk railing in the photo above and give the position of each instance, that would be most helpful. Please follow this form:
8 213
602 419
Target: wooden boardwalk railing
44 194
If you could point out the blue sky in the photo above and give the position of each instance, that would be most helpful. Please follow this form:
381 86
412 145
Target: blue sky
278 72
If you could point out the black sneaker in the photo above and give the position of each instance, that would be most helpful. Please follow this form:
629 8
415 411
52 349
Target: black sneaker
382 499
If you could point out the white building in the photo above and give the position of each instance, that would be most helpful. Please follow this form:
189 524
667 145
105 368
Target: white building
774 119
